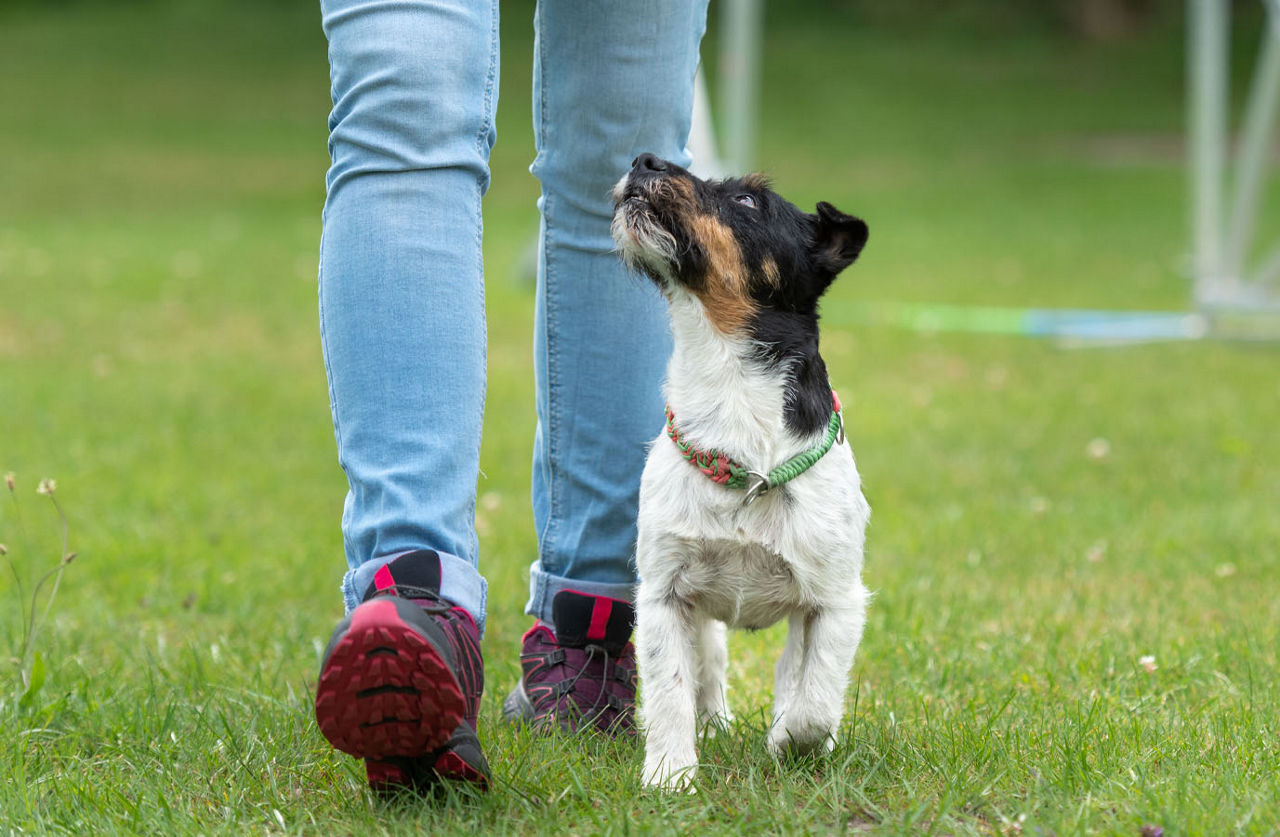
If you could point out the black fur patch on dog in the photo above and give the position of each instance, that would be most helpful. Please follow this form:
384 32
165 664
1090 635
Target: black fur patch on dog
757 263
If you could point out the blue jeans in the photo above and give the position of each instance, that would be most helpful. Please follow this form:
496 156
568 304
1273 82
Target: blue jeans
414 85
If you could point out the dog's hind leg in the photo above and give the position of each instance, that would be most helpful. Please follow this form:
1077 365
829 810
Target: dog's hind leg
665 650
811 711
713 661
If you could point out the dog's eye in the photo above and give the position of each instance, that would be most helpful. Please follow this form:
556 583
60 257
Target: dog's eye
746 200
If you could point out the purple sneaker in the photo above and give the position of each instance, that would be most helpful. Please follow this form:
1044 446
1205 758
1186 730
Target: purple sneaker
582 675
401 681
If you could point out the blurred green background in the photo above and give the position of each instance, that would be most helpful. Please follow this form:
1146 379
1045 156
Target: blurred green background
1043 517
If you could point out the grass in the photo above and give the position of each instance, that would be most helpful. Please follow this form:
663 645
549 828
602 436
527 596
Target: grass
159 212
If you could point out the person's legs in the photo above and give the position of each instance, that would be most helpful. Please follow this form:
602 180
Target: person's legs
402 326
401 295
611 80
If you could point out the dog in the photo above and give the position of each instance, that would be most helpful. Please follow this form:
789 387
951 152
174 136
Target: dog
745 518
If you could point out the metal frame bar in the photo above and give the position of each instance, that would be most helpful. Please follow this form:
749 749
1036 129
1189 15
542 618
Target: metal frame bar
1251 153
741 35
702 135
1222 243
1206 125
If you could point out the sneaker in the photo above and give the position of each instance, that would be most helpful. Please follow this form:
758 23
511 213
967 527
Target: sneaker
401 681
582 675
459 760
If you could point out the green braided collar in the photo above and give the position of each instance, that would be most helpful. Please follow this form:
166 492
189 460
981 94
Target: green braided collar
722 469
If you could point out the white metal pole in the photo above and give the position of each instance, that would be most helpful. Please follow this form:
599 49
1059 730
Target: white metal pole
702 135
740 40
1251 154
1207 118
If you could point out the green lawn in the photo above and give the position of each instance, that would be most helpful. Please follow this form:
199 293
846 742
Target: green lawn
160 191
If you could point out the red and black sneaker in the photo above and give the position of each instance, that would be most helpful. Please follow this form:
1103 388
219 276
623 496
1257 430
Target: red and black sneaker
401 681
583 674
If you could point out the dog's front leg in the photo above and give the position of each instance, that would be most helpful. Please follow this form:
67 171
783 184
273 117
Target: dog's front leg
786 673
811 713
713 661
665 650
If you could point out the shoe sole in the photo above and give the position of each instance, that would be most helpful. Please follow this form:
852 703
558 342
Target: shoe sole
389 778
385 690
461 760
516 708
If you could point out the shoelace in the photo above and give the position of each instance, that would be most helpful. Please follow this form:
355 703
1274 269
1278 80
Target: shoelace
603 694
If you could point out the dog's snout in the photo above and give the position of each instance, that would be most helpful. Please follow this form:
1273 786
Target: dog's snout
648 163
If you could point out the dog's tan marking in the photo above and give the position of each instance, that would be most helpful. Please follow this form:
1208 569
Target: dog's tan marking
725 292
675 194
770 270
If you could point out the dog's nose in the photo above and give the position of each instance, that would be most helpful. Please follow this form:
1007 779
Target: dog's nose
649 162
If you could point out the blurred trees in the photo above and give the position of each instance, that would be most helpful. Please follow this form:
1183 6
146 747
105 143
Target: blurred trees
1087 19
1106 19
1094 20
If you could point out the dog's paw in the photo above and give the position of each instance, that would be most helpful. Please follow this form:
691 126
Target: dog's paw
668 776
785 741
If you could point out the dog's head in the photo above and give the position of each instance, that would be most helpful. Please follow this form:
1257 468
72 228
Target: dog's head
734 244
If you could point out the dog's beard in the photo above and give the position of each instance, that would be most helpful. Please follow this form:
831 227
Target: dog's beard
642 242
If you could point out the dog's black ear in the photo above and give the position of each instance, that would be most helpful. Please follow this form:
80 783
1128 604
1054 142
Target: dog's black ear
839 238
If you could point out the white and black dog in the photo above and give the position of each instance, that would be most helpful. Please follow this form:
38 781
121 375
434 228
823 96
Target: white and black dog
751 508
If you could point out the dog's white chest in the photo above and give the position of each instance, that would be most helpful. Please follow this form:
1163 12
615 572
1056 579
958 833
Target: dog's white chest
742 585
792 550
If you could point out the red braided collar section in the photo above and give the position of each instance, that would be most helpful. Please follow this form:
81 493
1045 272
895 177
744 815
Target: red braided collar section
719 467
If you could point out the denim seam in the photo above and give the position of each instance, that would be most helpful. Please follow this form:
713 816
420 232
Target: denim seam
324 332
324 352
547 539
486 124
349 600
551 446
484 376
481 184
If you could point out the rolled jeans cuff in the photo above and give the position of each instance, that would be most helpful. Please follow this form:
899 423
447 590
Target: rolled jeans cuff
460 584
543 587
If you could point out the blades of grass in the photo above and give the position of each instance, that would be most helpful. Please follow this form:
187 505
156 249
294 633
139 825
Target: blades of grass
35 682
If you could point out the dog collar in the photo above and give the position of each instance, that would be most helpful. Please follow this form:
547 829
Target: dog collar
723 470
